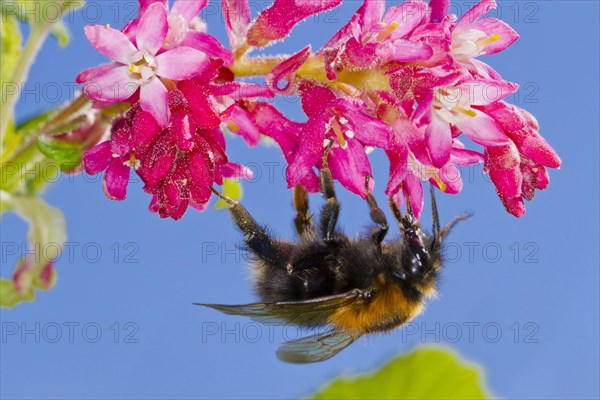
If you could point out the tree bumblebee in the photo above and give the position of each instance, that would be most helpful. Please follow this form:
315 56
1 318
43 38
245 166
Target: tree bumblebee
352 286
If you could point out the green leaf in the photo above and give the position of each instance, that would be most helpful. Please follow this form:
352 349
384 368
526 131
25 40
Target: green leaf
66 154
232 188
32 124
60 31
10 47
426 373
46 235
47 228
9 297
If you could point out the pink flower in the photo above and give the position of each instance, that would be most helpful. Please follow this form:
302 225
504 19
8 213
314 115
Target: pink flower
237 21
410 163
448 100
286 133
277 21
141 65
518 168
473 35
177 164
122 152
185 28
372 38
343 121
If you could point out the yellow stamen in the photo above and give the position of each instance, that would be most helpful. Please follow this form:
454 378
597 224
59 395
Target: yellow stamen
484 42
469 113
338 132
441 184
132 69
387 32
107 26
232 126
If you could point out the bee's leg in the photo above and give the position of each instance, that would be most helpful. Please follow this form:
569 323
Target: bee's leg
331 209
255 236
377 216
303 221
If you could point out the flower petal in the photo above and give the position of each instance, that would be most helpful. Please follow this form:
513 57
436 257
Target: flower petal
465 157
233 170
116 180
200 105
183 129
152 29
209 45
439 140
495 28
188 9
474 14
241 90
154 99
181 63
277 21
237 19
275 125
110 42
439 10
503 165
97 158
482 129
407 16
315 98
111 86
485 91
285 72
350 166
403 50
368 130
240 122
90 73
309 153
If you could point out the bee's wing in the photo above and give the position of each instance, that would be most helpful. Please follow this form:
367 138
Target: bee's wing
311 312
318 347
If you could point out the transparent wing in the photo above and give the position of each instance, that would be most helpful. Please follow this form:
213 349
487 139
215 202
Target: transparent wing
312 312
318 347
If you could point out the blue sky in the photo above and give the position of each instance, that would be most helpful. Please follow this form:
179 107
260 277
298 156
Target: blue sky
518 296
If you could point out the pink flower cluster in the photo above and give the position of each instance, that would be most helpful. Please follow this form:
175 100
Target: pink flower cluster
406 80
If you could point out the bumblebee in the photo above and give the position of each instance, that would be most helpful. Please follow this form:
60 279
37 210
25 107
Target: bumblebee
351 286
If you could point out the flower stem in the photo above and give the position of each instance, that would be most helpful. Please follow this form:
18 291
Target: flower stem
34 42
255 66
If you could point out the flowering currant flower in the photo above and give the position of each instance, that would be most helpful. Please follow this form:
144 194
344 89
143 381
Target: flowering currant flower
185 28
410 162
448 101
343 121
473 35
519 167
141 65
178 163
277 21
405 80
372 38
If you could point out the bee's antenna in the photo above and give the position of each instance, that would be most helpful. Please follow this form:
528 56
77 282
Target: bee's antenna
453 221
409 209
434 215
395 210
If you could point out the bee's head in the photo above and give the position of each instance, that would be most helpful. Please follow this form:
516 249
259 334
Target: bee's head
416 255
421 256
